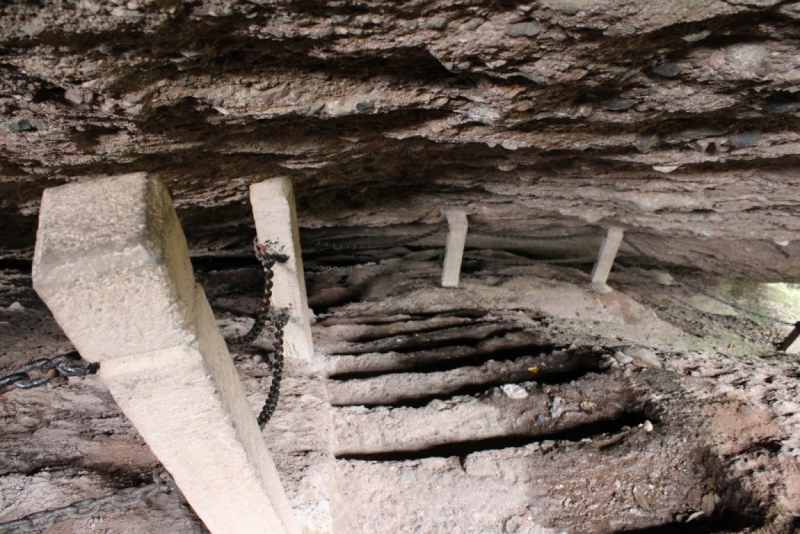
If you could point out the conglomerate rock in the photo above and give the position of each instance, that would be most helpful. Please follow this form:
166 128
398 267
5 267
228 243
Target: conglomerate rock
675 119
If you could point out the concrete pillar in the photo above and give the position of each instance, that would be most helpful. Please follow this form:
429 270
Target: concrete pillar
112 264
608 251
454 251
276 222
791 345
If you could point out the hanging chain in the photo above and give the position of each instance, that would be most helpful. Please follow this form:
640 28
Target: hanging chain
381 246
124 498
708 294
532 237
70 364
266 315
526 261
279 318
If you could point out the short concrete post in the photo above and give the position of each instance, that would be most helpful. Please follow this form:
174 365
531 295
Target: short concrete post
112 264
454 251
276 222
608 251
791 345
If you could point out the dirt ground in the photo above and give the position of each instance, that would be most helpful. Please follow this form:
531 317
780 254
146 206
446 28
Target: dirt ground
524 401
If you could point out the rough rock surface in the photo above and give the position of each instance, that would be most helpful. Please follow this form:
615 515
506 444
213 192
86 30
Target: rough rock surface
523 401
675 119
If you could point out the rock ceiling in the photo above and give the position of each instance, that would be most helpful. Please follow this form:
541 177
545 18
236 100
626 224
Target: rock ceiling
676 119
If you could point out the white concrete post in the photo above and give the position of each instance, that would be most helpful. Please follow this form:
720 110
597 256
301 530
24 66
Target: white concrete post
791 345
605 258
454 251
112 264
276 222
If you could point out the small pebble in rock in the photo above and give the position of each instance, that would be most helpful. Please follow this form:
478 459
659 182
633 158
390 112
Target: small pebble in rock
743 139
364 107
618 104
588 407
648 426
694 37
646 141
514 391
695 515
622 358
24 125
15 306
520 29
641 500
667 70
646 356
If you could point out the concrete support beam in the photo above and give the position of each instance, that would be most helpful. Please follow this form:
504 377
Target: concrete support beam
608 251
791 345
112 264
276 223
454 251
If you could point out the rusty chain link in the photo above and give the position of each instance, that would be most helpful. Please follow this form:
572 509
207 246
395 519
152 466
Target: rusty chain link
533 237
124 498
266 315
526 261
70 364
443 227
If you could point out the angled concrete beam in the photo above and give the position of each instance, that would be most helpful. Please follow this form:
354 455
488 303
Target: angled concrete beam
791 345
112 264
454 251
605 258
276 222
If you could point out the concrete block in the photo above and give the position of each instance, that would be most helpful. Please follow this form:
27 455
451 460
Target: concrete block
791 345
607 254
454 250
276 223
111 262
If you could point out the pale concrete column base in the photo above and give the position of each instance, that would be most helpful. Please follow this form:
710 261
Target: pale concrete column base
454 251
607 254
112 264
791 345
276 223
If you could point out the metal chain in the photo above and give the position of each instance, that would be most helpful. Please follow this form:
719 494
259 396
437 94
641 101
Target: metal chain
710 295
266 315
70 364
124 498
526 261
268 261
279 319
532 237
318 267
381 246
